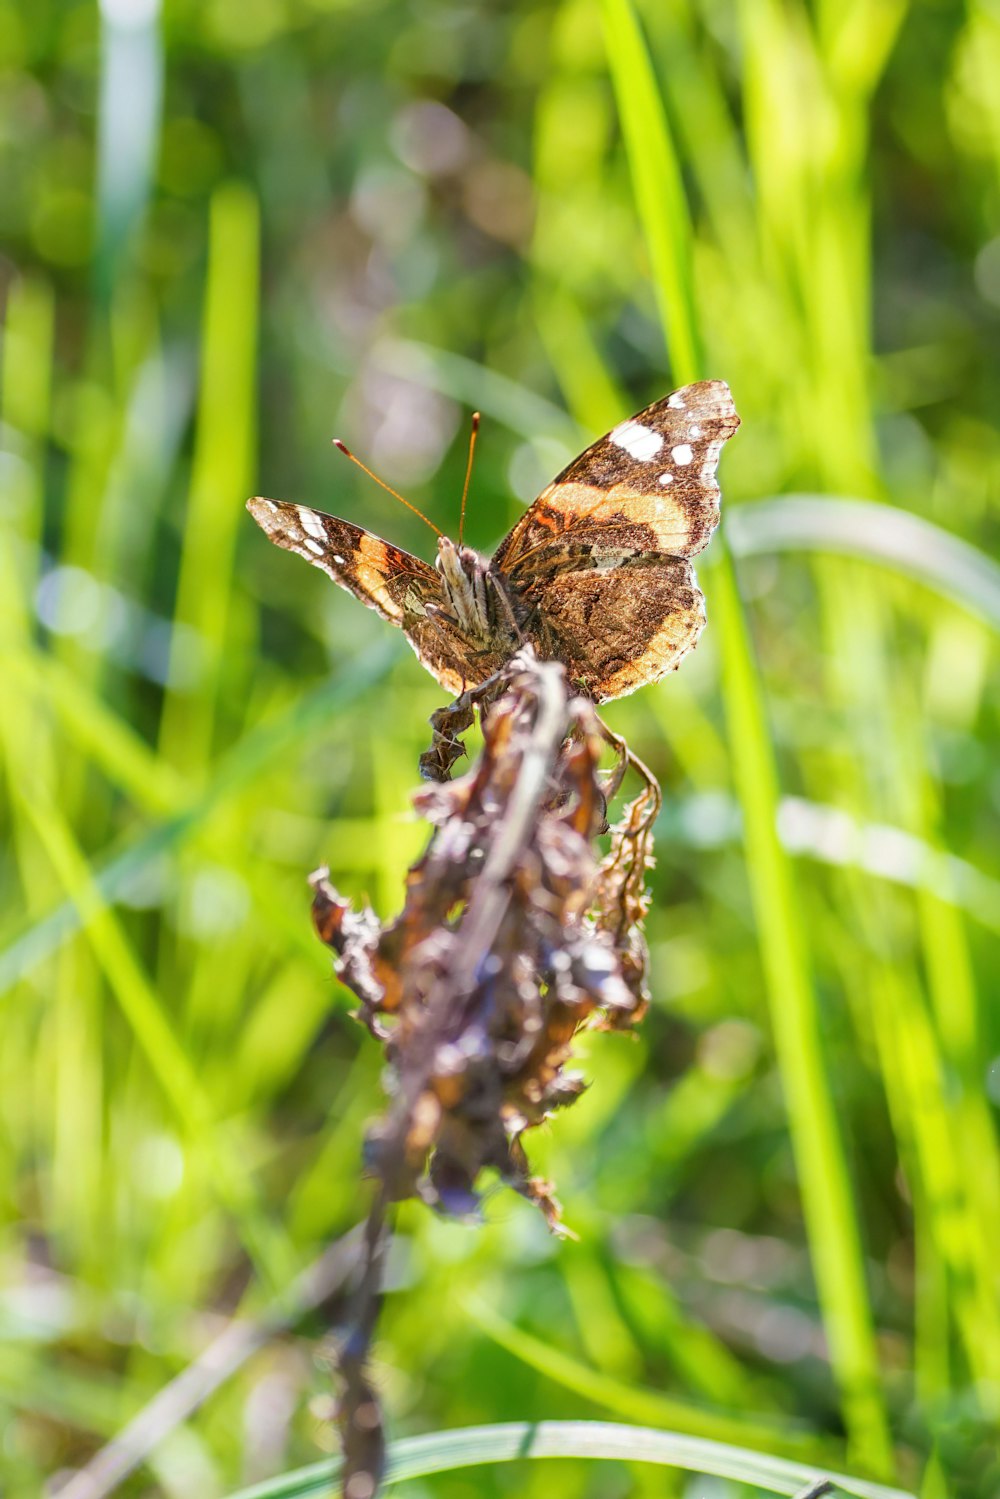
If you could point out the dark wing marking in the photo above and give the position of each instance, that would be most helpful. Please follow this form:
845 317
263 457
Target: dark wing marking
404 589
652 477
617 623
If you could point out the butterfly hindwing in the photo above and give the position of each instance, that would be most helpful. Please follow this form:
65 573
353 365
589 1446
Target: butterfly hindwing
619 629
402 588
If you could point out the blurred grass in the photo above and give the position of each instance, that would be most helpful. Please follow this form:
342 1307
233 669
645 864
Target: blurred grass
371 221
826 1195
446 1451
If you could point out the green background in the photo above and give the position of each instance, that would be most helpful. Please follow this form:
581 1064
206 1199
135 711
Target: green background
235 228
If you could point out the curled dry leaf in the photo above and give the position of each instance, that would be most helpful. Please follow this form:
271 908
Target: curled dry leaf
513 936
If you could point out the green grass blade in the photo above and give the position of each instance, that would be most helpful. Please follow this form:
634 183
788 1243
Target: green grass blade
822 1169
911 1050
258 750
472 1446
131 90
591 394
930 1056
222 473
97 731
629 1400
912 546
658 185
819 1151
167 1060
25 397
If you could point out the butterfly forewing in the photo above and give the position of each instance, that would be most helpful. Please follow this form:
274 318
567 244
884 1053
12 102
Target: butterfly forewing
649 485
402 588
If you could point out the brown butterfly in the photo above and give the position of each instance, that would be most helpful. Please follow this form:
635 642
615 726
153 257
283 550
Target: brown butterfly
595 574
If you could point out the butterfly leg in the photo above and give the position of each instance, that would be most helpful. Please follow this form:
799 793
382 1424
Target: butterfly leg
507 607
628 758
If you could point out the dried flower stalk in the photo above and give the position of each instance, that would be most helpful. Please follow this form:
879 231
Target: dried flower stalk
512 937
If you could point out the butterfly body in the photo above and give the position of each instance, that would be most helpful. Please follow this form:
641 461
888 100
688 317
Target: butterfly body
595 574
471 590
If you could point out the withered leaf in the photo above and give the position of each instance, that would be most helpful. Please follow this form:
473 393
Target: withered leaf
513 935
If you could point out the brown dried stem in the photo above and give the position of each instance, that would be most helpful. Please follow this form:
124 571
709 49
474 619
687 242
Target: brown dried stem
511 938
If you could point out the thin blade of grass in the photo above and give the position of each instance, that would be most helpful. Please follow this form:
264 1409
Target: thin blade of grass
658 186
472 1446
828 1206
25 397
627 1399
910 1050
591 394
147 1430
222 471
455 375
827 1202
131 91
166 1057
930 1056
98 732
258 749
876 533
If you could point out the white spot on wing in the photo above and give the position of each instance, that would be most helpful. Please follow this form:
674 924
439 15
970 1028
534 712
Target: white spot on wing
694 430
676 401
641 443
338 559
315 546
667 478
311 523
682 454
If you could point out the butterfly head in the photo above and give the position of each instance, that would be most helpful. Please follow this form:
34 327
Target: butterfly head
463 573
459 566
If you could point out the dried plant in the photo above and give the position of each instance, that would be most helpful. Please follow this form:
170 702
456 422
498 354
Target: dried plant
513 936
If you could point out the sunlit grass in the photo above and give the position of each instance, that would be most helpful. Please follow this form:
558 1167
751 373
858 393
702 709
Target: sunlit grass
788 1188
826 1195
447 1451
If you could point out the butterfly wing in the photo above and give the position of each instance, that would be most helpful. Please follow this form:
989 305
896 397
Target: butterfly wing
598 566
402 588
617 630
651 479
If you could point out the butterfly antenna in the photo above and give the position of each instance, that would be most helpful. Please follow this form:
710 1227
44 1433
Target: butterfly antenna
468 472
383 485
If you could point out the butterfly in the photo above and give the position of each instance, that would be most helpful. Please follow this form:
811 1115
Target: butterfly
596 573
